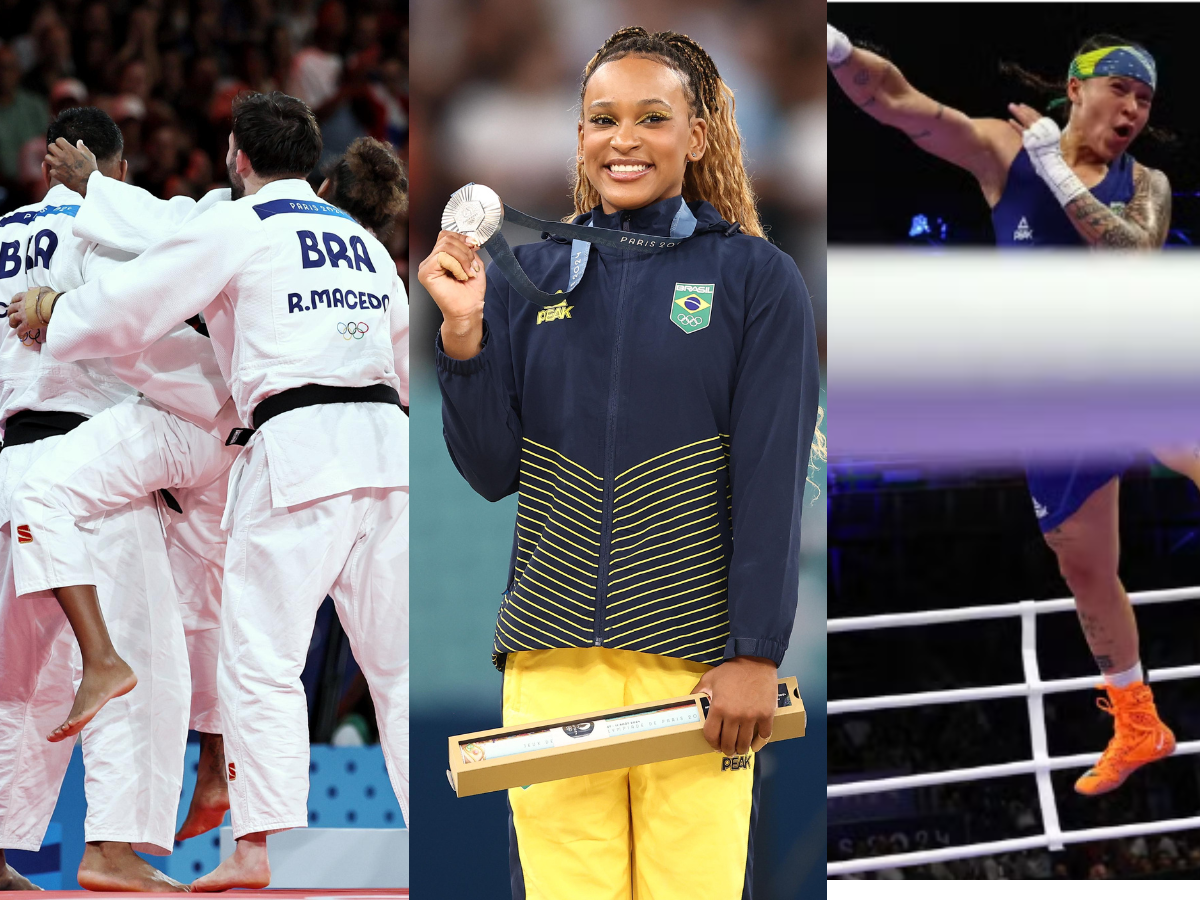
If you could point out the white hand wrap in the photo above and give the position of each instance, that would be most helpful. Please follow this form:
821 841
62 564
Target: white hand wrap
837 46
1043 143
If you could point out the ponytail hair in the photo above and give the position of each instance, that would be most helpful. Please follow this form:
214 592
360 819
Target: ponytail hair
719 176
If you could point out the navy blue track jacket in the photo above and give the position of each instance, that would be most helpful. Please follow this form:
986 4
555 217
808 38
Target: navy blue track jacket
657 423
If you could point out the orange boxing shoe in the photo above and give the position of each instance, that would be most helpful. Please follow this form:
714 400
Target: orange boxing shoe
1140 738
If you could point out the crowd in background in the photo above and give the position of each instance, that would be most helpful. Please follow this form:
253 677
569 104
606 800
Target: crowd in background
496 88
1002 809
1153 856
167 71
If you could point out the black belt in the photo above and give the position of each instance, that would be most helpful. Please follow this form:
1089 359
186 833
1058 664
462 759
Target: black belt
311 395
29 425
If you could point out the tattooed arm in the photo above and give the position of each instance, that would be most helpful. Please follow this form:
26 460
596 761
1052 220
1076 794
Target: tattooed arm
71 165
1142 225
984 147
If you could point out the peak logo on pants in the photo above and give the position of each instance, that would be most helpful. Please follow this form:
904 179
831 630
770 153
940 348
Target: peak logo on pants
232 771
24 536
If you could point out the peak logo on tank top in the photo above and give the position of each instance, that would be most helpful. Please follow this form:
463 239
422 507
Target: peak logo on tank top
1028 214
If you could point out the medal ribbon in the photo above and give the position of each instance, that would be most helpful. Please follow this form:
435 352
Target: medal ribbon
683 226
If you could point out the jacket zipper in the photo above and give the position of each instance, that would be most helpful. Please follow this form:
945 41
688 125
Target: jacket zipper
610 440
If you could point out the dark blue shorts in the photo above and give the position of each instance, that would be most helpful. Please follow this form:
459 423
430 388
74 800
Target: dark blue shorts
1058 491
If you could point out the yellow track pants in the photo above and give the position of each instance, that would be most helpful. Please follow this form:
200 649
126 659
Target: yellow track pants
676 829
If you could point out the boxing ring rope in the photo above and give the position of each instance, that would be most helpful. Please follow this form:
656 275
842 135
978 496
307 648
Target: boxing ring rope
964 356
1040 765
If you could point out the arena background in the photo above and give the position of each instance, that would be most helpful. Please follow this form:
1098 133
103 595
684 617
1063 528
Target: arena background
880 181
495 101
905 536
167 71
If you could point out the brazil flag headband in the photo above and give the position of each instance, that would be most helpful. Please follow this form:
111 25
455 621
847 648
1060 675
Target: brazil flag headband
1129 62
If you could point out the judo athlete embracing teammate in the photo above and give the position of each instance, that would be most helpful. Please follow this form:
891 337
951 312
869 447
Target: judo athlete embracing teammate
133 747
318 498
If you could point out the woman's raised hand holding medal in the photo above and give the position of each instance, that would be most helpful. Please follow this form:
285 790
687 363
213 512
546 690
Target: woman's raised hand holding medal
453 275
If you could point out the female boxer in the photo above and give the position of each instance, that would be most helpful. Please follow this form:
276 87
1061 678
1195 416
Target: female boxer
1070 187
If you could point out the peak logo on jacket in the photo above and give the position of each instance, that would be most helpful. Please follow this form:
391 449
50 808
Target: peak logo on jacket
691 306
24 535
553 313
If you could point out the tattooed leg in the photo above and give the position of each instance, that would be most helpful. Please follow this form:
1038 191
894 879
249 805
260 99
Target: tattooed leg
1087 548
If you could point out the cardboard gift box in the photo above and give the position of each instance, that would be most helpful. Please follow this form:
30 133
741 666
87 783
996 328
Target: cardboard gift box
636 735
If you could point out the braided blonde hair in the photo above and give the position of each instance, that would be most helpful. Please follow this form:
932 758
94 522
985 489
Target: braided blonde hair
719 176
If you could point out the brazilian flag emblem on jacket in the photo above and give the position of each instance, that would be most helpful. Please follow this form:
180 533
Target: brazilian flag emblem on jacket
692 306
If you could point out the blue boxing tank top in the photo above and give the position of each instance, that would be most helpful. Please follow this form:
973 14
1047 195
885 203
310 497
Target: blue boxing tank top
1029 216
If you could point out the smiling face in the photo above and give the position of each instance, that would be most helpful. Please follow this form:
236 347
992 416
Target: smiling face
1109 111
637 133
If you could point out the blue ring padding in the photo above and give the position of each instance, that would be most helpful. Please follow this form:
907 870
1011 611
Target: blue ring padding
39 862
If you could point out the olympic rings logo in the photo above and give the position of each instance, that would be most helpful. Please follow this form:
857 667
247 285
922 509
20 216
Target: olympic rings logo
688 319
354 330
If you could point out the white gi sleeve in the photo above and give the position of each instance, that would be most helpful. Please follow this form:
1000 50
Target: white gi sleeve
99 260
129 218
129 308
179 370
399 325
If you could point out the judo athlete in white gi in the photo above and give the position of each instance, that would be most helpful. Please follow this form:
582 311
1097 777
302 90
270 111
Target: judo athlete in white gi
14 372
139 447
131 801
310 326
171 438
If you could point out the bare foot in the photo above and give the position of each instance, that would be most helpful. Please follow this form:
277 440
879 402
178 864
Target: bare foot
247 868
111 866
12 880
210 801
100 684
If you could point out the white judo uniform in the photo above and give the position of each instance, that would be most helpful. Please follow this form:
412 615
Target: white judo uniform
129 800
294 293
172 437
